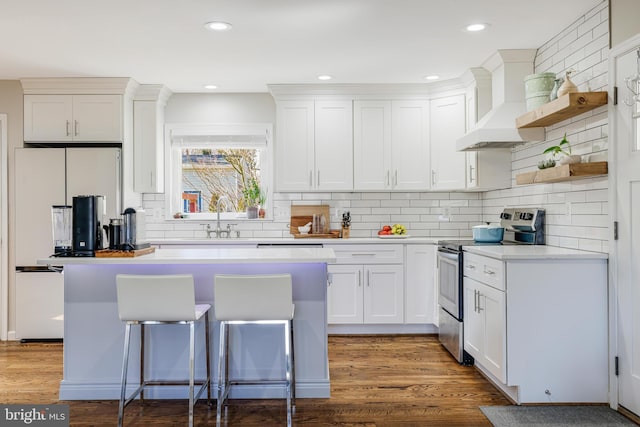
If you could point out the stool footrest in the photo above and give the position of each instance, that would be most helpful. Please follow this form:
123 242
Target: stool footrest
203 384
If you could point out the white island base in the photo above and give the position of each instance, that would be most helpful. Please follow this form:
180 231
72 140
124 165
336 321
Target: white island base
94 335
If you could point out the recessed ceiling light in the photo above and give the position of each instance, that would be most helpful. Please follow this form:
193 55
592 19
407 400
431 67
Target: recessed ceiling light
218 26
476 27
210 87
325 77
432 77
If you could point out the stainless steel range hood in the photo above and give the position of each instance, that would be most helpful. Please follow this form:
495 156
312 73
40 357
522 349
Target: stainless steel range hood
497 129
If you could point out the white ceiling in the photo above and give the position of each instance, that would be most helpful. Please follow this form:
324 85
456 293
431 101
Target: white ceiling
272 41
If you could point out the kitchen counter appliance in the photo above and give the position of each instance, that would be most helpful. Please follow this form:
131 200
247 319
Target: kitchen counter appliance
522 226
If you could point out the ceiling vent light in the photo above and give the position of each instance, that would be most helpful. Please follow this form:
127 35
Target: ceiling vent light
210 87
476 27
218 26
325 77
432 77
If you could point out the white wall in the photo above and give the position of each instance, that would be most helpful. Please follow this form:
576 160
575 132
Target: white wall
576 210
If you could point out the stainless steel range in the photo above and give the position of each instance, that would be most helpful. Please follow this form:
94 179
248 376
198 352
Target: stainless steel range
523 226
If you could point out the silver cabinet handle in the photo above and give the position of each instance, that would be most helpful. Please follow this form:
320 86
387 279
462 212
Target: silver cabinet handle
75 128
68 134
475 301
471 169
479 307
388 177
489 272
359 278
151 178
329 279
318 181
368 278
470 266
433 177
310 178
395 180
363 254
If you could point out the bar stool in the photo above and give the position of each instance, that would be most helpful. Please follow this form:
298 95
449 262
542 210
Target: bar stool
153 300
262 299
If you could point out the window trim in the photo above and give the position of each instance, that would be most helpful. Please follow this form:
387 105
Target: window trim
172 196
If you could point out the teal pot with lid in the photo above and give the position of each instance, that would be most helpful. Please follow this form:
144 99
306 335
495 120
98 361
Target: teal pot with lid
488 233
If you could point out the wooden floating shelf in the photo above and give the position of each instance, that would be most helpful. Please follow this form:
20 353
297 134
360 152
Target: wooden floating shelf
563 108
563 173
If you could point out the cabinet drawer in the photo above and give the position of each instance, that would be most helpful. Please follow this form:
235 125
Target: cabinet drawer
485 270
368 254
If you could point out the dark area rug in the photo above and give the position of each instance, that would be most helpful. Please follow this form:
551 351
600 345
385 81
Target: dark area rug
555 416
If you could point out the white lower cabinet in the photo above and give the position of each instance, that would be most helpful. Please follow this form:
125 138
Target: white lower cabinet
485 326
365 294
538 327
420 300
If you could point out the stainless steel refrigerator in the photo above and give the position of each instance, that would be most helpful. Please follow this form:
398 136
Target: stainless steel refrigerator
47 177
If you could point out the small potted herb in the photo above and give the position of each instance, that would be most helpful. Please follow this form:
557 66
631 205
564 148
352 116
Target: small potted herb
561 154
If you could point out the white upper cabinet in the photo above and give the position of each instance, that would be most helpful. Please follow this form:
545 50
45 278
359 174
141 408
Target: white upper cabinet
314 149
391 145
81 118
333 145
148 138
410 145
372 145
448 166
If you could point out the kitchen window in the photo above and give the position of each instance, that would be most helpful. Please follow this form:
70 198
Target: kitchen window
211 165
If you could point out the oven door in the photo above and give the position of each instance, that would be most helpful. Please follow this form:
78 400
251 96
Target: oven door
449 282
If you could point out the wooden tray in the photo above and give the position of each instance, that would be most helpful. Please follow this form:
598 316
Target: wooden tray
334 234
113 253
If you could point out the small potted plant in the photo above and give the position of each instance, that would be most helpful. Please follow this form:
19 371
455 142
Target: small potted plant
262 200
251 194
562 152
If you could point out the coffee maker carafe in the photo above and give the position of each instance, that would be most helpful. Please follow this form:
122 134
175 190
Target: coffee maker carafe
114 233
88 212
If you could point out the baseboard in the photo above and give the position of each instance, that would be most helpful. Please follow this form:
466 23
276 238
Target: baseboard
627 413
381 329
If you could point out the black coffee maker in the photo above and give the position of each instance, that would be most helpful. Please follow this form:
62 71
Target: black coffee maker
87 237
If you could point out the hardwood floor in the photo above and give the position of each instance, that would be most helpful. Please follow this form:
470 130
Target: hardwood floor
375 381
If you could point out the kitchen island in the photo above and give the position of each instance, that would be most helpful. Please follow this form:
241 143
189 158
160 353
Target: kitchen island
94 335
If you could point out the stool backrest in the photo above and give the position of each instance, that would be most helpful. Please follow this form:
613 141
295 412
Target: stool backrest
164 298
259 297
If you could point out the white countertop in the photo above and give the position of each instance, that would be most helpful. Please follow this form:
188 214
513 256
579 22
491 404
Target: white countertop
293 241
521 252
211 256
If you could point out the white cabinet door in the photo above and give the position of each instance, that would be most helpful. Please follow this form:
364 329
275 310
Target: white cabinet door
294 147
372 145
491 304
448 166
48 118
333 145
420 304
485 326
94 118
97 118
383 294
473 320
148 147
344 294
410 145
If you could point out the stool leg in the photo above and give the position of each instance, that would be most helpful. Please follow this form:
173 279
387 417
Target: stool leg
142 362
287 350
125 365
207 356
293 365
221 377
192 351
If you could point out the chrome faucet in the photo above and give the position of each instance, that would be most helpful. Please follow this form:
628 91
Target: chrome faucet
219 230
